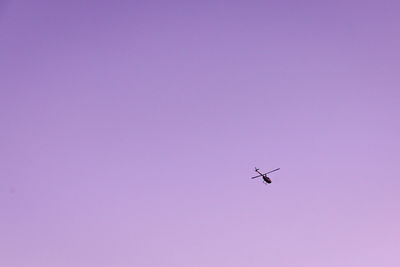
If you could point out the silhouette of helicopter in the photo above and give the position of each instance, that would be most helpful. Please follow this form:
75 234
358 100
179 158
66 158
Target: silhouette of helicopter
266 179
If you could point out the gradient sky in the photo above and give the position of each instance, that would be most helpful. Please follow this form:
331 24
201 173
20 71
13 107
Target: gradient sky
129 131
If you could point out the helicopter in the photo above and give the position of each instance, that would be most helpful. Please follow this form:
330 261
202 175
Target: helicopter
266 179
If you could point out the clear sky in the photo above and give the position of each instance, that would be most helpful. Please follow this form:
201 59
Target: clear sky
129 131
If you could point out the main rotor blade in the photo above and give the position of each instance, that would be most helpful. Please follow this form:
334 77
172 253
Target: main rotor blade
272 171
264 173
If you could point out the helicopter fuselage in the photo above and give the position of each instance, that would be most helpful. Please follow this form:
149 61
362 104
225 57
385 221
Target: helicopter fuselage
267 179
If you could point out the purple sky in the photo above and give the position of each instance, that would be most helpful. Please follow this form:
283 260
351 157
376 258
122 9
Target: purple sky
129 131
